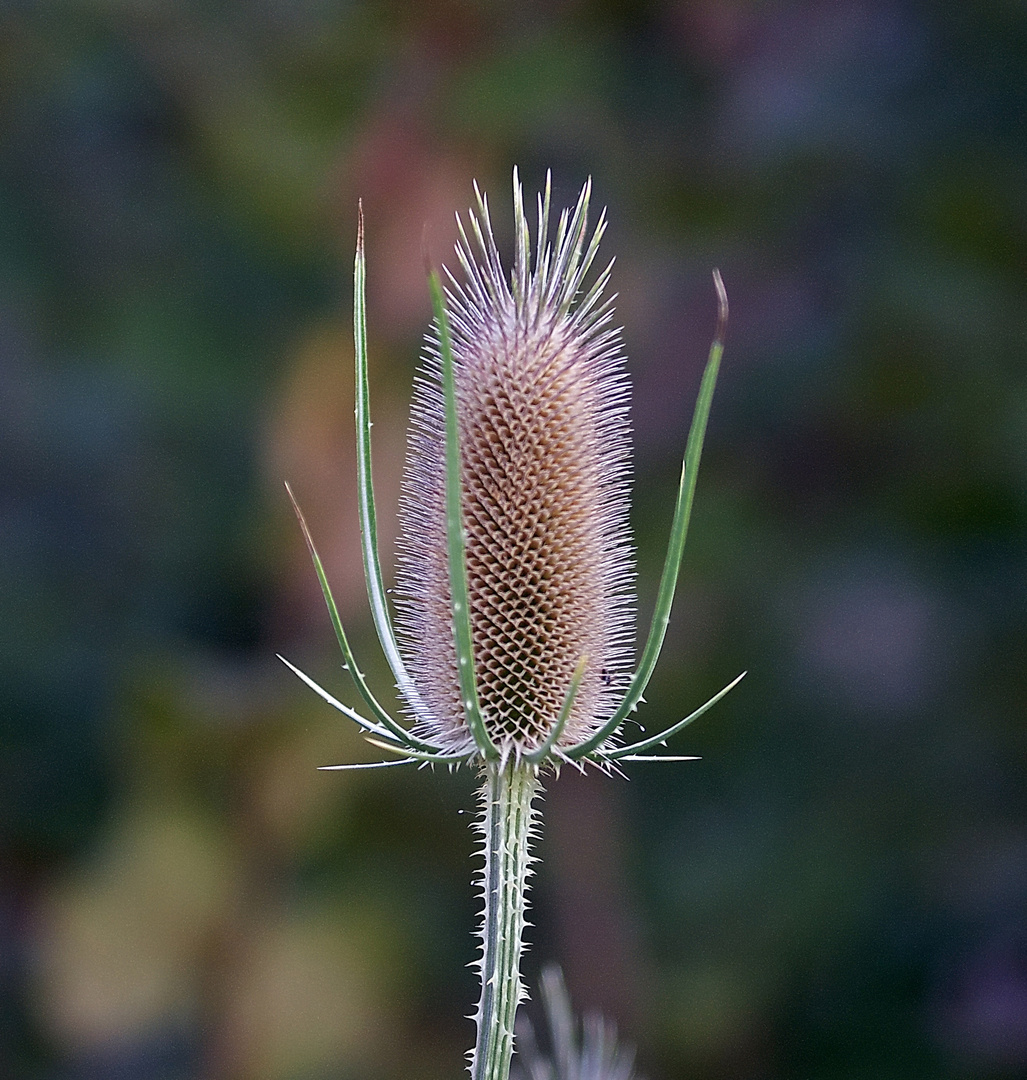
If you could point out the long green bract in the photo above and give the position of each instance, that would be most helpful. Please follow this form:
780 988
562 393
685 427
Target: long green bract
364 765
658 740
417 755
561 722
455 534
346 711
380 713
676 546
365 487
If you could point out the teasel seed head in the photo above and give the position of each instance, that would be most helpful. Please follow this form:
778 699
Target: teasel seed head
515 571
542 415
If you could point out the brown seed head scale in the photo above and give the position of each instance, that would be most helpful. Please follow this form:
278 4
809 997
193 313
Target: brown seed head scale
542 403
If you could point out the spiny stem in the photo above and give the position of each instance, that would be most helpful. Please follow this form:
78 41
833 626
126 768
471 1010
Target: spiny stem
508 827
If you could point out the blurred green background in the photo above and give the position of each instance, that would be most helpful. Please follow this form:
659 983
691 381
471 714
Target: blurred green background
839 889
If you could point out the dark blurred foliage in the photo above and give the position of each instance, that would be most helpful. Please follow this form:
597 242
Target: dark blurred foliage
839 889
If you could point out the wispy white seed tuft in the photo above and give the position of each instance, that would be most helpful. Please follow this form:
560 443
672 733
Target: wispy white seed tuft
542 403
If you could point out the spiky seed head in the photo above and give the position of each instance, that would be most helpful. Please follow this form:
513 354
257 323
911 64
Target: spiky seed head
542 400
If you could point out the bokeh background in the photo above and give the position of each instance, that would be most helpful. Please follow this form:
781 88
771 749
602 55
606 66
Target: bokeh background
839 889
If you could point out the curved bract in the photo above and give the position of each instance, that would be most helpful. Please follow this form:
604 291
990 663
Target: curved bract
564 691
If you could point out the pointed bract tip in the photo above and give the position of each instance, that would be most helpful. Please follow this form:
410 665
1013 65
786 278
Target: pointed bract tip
722 310
304 527
292 499
426 255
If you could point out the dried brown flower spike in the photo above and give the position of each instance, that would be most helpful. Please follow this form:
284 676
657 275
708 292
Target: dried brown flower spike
515 568
542 402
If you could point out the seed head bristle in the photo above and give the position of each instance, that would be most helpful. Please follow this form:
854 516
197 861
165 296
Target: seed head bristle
542 401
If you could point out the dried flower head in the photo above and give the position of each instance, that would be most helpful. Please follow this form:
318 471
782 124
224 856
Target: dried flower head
515 572
542 401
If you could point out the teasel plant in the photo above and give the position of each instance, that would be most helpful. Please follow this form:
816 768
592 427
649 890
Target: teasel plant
512 640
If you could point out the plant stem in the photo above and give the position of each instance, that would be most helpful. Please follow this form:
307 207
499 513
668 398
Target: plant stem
508 828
